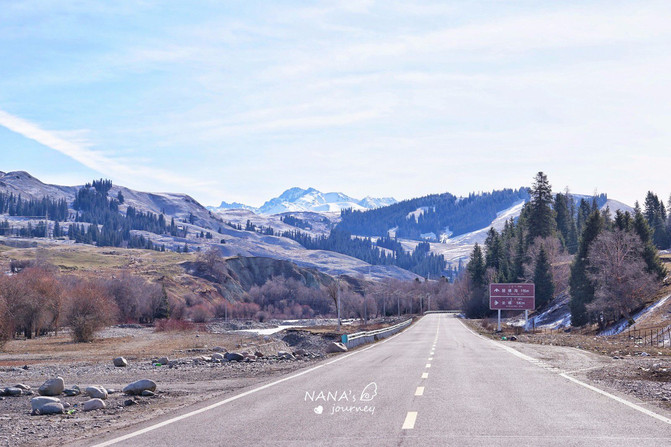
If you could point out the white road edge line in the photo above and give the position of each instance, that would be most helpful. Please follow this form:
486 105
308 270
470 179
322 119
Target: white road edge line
574 380
236 397
619 399
409 422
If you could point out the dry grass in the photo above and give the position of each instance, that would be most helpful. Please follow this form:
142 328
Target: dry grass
88 257
133 344
611 345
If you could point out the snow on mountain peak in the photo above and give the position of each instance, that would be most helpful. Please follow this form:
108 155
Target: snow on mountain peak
298 199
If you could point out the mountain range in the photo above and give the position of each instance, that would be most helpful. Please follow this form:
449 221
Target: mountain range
452 224
305 200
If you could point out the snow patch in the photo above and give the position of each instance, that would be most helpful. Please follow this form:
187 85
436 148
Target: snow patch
624 323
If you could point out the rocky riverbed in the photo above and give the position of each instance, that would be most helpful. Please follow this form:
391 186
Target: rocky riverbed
182 378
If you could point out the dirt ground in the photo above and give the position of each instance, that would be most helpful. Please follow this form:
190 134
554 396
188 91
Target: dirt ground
188 378
612 363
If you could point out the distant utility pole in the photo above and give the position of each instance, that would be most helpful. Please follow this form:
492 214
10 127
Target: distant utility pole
338 301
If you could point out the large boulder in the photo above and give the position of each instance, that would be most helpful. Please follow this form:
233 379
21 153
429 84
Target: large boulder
52 408
336 347
218 349
96 392
46 405
234 357
138 387
93 404
163 360
218 356
52 387
120 362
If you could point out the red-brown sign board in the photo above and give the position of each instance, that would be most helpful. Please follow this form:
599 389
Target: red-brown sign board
512 296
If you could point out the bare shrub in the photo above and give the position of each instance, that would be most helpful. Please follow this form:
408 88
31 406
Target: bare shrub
137 299
6 327
244 310
177 309
90 307
34 298
173 325
201 313
261 316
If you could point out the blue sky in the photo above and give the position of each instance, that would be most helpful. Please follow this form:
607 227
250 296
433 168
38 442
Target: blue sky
240 100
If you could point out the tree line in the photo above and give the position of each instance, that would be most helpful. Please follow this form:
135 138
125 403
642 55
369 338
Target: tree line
420 261
436 213
609 264
37 299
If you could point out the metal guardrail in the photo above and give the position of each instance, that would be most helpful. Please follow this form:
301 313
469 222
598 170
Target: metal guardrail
442 312
360 338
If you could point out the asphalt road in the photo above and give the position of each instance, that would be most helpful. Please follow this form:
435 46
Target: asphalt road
436 383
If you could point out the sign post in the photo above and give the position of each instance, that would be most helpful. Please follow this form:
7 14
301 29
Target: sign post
512 297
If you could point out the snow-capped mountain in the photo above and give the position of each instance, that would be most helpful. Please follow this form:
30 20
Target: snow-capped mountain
232 206
299 200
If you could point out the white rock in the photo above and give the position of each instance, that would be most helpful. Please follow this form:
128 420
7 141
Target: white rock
46 405
52 387
120 362
139 386
51 408
96 392
94 404
336 347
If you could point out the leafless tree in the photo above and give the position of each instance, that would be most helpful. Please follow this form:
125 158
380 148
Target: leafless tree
90 307
619 273
6 327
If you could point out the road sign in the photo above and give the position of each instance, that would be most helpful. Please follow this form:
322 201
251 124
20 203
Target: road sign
512 296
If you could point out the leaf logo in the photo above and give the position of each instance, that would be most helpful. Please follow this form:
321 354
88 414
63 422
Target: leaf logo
369 392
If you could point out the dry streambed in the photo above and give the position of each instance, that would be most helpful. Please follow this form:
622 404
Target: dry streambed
184 377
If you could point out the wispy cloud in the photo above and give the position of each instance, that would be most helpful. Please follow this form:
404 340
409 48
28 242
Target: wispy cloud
80 150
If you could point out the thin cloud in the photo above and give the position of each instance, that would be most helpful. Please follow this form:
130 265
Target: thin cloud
88 157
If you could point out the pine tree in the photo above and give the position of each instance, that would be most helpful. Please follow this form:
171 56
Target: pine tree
563 216
163 309
545 287
493 249
476 305
517 272
541 218
583 214
650 255
581 288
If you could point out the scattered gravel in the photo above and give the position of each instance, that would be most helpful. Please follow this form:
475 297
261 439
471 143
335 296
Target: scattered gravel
184 382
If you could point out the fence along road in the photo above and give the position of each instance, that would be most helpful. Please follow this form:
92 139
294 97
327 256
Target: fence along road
435 384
